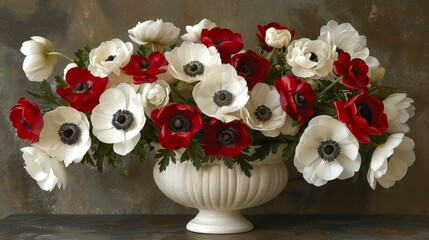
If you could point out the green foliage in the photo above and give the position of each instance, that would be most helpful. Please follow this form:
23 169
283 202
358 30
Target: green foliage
263 151
143 51
195 153
48 100
82 57
165 157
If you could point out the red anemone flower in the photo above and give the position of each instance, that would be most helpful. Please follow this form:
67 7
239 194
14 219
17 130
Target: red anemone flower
83 90
225 139
225 41
354 72
178 123
296 97
364 115
26 117
144 70
251 67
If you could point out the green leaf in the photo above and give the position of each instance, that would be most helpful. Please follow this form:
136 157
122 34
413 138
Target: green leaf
139 151
244 166
166 156
83 57
289 151
263 151
60 82
143 51
229 162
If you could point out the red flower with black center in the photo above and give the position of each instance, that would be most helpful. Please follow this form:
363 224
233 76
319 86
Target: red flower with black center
144 70
225 41
178 123
83 90
263 30
364 115
251 67
225 139
26 117
296 97
354 72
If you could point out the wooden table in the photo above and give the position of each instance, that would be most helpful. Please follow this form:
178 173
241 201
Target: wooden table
267 227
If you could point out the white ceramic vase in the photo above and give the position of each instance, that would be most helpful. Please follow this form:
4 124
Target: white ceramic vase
220 193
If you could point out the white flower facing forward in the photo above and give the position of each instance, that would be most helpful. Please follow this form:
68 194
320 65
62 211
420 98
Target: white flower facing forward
46 170
65 135
38 64
277 38
398 108
263 111
194 32
390 161
109 57
190 61
118 118
222 93
345 38
154 95
154 34
327 150
309 58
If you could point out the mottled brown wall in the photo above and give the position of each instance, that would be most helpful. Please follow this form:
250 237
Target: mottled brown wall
397 32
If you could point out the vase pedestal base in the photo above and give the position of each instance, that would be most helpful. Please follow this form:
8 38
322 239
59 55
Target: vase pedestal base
219 222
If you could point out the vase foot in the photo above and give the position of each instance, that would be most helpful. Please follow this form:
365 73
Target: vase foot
219 222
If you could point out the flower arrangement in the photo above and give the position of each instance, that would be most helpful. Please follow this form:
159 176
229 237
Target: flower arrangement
211 100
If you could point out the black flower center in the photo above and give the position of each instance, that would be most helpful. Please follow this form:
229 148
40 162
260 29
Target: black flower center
193 68
263 113
313 57
329 150
144 64
365 111
178 123
244 69
354 70
69 133
339 50
26 124
227 136
122 119
110 58
217 42
222 98
81 87
299 100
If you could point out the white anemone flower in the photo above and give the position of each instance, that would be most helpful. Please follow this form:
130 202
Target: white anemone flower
327 150
263 111
65 134
344 38
109 57
399 109
222 94
68 67
309 58
190 61
154 34
46 170
277 38
118 118
154 95
390 161
38 64
194 32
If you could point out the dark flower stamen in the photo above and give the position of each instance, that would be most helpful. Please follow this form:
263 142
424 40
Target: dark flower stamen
26 124
122 119
217 42
110 58
144 64
81 87
365 111
299 100
69 133
313 57
244 69
263 113
227 136
339 50
329 150
178 123
222 98
193 68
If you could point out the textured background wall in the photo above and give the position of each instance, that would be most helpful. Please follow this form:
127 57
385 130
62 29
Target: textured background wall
397 32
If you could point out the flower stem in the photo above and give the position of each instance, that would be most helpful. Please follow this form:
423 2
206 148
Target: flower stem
60 54
270 55
328 87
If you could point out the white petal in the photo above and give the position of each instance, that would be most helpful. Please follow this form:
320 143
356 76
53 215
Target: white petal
123 148
329 170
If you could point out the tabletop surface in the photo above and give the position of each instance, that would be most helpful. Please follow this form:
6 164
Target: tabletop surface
41 227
